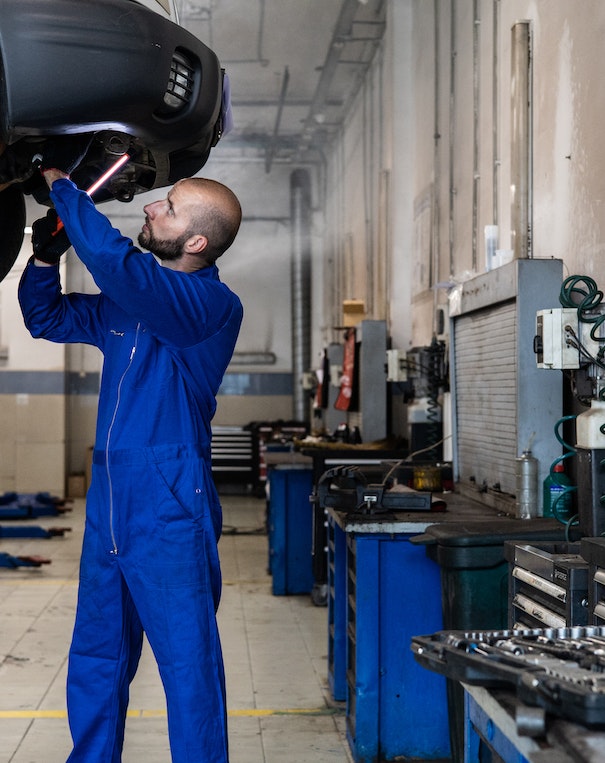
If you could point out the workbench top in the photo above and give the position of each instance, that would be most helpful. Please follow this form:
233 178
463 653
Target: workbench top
469 516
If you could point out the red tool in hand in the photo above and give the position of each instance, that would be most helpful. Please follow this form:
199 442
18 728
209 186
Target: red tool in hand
98 183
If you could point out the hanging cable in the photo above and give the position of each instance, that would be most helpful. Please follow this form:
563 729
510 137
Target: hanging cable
590 298
434 383
582 294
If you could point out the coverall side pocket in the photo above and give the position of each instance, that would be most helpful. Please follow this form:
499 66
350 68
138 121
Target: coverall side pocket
180 492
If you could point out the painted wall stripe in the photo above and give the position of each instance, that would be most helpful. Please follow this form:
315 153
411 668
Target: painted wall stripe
59 383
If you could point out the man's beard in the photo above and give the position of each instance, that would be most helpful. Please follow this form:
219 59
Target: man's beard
164 250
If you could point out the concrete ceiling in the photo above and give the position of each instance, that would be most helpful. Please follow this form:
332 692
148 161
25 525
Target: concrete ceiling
294 66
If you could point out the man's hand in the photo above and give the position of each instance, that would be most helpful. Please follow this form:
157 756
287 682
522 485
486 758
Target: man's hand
64 153
49 238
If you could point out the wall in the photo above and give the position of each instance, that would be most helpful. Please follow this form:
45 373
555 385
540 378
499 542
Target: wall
33 453
471 94
440 132
441 135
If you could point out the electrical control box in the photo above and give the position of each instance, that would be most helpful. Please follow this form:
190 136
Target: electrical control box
564 341
397 367
554 337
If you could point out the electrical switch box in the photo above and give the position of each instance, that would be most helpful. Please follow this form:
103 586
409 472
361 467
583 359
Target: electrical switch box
554 343
397 368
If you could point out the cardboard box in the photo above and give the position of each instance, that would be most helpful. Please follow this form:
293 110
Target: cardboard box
353 311
76 486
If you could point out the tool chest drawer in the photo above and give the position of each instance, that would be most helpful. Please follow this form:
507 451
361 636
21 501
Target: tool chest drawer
548 585
593 550
234 456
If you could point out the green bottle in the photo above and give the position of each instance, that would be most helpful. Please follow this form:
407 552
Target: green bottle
552 489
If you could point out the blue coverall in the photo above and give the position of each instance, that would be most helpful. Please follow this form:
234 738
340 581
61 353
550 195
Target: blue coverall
153 518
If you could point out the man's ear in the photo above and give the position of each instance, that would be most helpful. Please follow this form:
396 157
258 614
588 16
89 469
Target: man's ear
195 244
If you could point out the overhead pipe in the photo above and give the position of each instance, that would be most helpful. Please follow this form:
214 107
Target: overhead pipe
300 211
280 107
342 34
342 30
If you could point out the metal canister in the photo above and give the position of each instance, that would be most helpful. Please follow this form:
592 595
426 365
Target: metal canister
527 485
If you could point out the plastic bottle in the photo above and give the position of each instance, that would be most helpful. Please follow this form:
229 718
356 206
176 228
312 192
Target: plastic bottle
527 485
552 489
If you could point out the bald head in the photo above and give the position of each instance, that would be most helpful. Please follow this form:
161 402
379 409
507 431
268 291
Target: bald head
215 213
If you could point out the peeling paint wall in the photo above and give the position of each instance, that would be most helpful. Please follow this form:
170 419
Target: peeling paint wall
455 178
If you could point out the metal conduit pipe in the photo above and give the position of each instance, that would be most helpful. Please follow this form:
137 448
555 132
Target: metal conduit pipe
495 111
300 280
476 110
521 214
452 132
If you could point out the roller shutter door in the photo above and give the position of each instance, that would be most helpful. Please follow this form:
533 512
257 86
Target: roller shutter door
501 400
486 395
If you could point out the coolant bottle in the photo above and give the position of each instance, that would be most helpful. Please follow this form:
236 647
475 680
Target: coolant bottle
527 485
556 494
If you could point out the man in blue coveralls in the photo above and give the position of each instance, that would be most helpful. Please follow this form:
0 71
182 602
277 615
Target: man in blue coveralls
149 558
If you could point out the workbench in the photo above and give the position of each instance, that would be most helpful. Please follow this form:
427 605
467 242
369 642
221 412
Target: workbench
382 590
491 724
373 461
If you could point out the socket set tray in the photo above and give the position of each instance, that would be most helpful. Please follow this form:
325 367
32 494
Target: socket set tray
561 670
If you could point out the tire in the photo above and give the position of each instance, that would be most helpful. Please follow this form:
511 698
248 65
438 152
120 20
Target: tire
12 224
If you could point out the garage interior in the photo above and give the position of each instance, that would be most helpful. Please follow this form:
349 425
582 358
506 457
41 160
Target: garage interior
409 441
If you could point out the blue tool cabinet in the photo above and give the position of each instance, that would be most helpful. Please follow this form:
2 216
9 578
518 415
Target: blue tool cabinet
290 519
395 708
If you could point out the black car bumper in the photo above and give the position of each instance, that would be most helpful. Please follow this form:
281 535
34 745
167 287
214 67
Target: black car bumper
71 66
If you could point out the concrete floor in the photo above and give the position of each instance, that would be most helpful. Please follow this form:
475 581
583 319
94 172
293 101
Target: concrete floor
275 655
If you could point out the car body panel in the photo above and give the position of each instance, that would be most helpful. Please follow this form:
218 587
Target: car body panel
62 74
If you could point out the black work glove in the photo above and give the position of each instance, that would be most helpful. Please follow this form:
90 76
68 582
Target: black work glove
64 152
49 238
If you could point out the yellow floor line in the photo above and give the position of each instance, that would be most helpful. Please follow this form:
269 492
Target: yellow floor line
39 581
74 581
242 713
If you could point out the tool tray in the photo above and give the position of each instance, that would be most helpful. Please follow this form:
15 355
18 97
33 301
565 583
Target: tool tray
561 670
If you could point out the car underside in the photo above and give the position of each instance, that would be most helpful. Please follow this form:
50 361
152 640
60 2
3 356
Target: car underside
132 80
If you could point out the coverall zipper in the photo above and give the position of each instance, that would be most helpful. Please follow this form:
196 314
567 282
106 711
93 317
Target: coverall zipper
114 549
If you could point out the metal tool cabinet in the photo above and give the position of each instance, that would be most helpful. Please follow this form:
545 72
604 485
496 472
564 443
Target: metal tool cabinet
290 529
383 590
234 456
593 550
